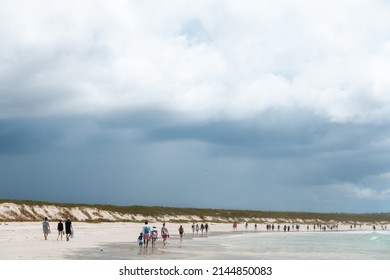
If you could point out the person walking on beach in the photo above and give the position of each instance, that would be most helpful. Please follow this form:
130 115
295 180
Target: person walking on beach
68 229
146 233
206 227
193 228
60 228
181 232
154 234
197 228
164 234
45 228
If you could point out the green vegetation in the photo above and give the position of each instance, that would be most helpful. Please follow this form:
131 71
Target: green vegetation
214 214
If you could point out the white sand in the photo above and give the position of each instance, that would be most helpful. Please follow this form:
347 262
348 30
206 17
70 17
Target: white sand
25 241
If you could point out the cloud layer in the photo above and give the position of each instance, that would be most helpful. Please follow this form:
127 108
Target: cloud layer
216 58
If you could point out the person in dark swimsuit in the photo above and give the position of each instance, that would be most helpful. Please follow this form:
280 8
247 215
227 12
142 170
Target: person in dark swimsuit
68 229
60 228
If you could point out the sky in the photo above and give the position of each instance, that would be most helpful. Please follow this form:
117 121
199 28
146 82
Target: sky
256 104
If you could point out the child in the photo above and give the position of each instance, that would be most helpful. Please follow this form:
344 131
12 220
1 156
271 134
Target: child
140 239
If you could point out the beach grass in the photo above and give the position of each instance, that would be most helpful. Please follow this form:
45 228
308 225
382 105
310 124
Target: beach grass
216 215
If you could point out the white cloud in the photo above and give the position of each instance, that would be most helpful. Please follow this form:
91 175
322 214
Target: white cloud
359 191
215 57
378 179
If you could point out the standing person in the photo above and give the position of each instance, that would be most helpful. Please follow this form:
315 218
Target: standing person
193 228
60 228
181 232
246 226
197 228
206 227
154 234
46 228
164 234
146 233
202 228
68 229
140 240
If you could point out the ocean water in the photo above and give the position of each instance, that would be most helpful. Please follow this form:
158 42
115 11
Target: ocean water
354 245
300 246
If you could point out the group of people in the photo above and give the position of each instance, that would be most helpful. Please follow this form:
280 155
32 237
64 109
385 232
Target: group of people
296 227
148 234
202 228
272 227
60 229
151 234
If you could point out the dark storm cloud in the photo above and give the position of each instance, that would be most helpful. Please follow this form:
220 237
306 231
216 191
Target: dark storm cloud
290 149
28 136
302 148
277 134
277 153
271 136
144 119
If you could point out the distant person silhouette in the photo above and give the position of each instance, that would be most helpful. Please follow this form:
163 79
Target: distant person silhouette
68 229
181 232
60 228
45 228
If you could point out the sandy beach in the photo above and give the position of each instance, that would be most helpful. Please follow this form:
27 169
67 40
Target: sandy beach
25 241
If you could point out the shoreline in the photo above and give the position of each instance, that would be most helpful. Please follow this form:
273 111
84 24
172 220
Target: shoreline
210 247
